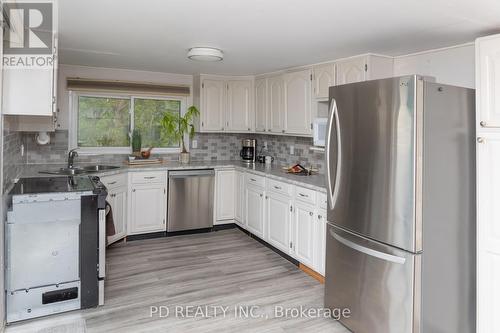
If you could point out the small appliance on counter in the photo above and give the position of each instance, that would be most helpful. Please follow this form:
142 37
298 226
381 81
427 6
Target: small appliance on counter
55 242
248 150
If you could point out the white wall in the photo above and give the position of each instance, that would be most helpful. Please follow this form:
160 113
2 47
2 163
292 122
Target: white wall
453 65
66 71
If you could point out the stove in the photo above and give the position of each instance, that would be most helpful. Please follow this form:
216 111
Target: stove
55 242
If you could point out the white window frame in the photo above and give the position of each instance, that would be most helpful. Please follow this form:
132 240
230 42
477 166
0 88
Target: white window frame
73 131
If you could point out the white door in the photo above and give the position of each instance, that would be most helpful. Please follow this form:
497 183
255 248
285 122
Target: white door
225 196
255 210
298 102
304 233
261 105
118 201
276 107
278 220
213 105
488 82
240 110
147 208
320 242
351 70
488 233
324 78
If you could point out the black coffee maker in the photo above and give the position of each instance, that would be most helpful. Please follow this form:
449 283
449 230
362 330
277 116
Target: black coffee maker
248 150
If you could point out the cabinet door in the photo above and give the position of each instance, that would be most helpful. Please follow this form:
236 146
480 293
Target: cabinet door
118 201
275 98
488 82
213 105
147 208
488 233
261 105
351 70
278 219
240 198
240 111
304 233
324 78
255 210
320 242
298 102
226 187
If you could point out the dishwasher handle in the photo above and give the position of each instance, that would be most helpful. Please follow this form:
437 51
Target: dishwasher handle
191 173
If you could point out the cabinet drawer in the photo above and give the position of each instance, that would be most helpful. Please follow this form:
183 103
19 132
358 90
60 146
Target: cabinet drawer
305 195
114 181
279 187
322 204
148 177
255 180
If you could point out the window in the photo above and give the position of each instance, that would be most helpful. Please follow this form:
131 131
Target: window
103 124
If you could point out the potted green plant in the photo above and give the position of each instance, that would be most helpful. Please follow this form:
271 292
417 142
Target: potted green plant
175 127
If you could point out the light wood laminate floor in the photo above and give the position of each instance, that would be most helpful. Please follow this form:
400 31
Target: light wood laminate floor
224 268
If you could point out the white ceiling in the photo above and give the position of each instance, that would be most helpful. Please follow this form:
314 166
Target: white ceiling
260 36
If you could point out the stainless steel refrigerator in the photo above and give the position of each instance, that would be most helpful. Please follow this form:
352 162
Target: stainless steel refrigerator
400 158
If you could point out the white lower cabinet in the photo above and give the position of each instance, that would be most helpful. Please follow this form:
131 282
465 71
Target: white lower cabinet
147 208
225 195
320 242
304 230
239 214
278 217
117 198
255 205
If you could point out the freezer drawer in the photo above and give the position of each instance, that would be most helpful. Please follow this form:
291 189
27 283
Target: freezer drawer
190 200
378 283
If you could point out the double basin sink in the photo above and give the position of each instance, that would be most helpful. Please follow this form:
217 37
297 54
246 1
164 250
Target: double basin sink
82 170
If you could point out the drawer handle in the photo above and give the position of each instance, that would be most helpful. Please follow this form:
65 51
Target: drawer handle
111 183
252 179
150 177
303 195
277 187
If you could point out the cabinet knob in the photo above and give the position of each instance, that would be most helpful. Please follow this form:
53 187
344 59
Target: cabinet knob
311 214
483 124
133 190
480 140
320 217
282 131
267 197
249 128
261 195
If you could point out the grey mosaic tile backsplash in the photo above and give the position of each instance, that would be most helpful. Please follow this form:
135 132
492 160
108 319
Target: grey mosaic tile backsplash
12 158
211 146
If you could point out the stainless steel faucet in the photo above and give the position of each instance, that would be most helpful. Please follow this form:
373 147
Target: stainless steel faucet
71 156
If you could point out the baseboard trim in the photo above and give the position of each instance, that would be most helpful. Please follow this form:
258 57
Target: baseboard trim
224 226
312 273
146 236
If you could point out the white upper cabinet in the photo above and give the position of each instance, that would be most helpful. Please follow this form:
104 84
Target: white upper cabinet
488 81
213 105
362 68
298 102
261 105
276 107
226 199
324 78
31 92
240 102
351 70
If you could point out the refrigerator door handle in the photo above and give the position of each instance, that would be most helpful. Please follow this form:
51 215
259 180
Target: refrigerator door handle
368 251
333 193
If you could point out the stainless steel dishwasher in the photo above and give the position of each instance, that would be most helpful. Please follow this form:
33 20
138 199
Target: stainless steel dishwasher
190 199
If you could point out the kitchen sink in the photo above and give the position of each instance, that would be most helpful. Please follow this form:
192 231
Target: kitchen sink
79 171
99 167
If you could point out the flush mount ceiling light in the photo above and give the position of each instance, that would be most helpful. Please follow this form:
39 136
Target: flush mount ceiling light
205 54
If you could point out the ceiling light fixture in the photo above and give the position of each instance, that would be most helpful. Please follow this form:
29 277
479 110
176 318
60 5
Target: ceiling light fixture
205 54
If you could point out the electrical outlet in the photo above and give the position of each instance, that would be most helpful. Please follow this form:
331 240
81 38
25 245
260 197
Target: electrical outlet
194 144
292 150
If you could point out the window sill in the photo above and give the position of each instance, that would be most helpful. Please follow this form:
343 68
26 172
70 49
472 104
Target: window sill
123 151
